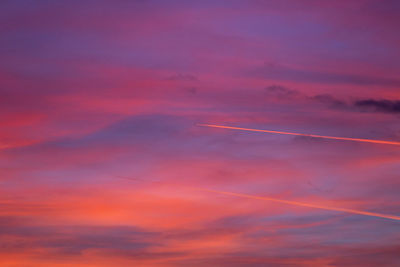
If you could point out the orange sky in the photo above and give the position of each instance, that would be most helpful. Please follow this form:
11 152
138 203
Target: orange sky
92 91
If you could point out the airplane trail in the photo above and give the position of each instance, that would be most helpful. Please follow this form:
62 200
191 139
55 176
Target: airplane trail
300 134
359 212
289 202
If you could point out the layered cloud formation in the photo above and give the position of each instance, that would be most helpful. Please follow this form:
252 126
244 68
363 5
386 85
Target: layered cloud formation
92 91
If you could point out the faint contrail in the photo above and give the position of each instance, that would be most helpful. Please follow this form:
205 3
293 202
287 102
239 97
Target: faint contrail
289 202
397 218
309 135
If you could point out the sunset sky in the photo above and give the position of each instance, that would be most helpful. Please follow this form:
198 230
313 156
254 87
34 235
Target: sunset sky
104 162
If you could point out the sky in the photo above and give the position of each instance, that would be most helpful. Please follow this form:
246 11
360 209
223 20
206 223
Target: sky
103 161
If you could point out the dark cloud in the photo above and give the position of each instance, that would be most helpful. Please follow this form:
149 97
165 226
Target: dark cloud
371 105
281 91
386 106
329 100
